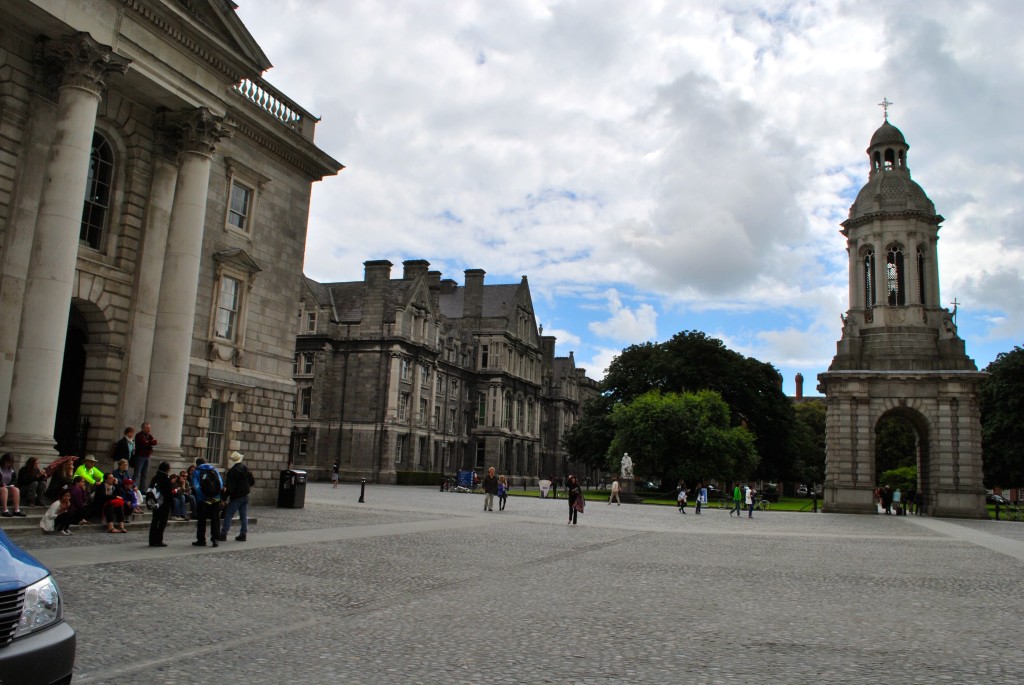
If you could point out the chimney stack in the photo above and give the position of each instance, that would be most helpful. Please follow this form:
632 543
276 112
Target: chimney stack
414 268
799 386
377 272
473 299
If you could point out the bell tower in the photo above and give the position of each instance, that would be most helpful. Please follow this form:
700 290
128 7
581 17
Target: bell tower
899 353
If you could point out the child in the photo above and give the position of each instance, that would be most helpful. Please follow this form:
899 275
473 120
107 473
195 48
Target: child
502 492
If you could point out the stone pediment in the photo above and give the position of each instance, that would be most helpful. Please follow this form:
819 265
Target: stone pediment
239 259
221 19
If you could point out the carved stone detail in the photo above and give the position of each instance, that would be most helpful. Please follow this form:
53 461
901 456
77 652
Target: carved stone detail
84 62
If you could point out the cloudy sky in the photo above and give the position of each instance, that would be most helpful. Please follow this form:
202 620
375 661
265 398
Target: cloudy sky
662 166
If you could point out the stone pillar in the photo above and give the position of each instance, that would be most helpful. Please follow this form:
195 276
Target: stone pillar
147 290
176 306
44 323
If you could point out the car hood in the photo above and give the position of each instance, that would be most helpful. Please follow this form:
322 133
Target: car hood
18 568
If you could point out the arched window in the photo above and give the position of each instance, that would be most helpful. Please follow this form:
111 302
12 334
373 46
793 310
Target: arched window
894 277
97 192
920 275
869 279
890 159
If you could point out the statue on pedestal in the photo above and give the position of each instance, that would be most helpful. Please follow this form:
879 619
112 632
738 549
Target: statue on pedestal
627 467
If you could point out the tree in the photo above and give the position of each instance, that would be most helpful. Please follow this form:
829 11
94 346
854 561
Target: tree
895 444
902 478
692 361
588 439
808 442
1001 397
681 435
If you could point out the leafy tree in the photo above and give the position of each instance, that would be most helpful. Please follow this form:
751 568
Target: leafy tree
808 441
692 361
588 439
1001 397
681 435
903 477
895 444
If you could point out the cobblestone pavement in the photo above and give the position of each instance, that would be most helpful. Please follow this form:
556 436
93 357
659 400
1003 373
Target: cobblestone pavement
417 586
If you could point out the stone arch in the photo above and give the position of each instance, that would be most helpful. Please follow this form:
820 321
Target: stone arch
914 414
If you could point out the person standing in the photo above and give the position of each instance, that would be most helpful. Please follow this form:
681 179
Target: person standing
575 494
702 496
335 474
144 443
681 496
502 492
615 492
897 501
750 502
208 488
554 488
239 485
490 489
737 500
165 494
125 447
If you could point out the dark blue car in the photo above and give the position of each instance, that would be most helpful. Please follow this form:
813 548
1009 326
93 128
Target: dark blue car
37 647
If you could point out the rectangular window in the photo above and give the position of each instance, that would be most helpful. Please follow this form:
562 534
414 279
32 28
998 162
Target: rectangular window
311 322
295 365
422 418
399 448
406 370
215 433
481 410
484 356
240 206
303 446
227 308
481 453
307 362
440 384
305 401
425 376
403 406
437 418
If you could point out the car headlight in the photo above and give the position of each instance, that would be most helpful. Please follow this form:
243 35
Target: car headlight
42 607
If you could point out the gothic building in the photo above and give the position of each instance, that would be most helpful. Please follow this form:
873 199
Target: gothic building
899 354
421 374
154 192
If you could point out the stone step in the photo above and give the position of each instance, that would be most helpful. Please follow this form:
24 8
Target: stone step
29 524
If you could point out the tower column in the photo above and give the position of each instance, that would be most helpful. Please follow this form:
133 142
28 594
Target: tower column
40 353
176 304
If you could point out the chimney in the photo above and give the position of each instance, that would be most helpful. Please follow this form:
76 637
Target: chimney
414 268
434 284
799 386
473 298
547 349
377 272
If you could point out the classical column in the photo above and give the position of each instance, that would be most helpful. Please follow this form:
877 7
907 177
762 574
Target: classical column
44 315
176 305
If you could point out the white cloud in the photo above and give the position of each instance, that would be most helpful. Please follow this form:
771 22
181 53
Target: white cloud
625 324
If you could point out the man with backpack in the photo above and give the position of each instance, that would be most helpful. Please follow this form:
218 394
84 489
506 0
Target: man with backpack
239 484
208 488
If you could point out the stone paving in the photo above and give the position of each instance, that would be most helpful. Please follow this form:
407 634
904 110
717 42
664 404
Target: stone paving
417 586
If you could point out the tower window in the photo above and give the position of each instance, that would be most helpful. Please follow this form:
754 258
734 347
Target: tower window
97 192
869 279
920 276
894 277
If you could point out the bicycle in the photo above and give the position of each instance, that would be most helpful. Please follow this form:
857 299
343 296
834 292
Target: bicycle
762 505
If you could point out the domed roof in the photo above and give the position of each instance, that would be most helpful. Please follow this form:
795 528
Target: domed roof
891 192
887 134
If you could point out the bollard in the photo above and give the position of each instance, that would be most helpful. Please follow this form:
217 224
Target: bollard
362 490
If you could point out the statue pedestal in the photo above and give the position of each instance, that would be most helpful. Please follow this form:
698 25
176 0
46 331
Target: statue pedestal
627 486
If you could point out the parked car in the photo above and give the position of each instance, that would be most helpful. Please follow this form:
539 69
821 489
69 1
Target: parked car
36 644
997 499
803 491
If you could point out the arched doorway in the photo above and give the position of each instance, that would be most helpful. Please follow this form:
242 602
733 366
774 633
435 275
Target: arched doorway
901 453
68 431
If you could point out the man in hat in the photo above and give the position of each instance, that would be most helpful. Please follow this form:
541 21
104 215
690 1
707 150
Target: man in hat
88 471
239 484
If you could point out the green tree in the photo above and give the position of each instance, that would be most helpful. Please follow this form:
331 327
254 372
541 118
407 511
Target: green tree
1001 397
692 361
808 441
588 439
681 435
903 477
895 444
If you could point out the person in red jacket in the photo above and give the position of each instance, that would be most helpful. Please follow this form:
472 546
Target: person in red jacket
144 443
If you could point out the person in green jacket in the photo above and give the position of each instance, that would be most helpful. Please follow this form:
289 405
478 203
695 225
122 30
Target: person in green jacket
737 500
89 472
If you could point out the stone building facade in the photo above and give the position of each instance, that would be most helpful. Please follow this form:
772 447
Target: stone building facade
169 294
900 354
420 374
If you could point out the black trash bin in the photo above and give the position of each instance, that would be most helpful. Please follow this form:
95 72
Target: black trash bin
291 491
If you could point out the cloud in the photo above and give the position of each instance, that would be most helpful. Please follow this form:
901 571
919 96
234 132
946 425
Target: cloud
625 324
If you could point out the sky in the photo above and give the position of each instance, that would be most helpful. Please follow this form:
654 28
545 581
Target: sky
655 167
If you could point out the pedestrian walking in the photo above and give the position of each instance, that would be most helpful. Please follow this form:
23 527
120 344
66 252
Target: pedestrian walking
576 502
702 496
490 489
737 500
502 492
239 484
208 488
144 443
164 493
334 475
750 502
615 492
681 495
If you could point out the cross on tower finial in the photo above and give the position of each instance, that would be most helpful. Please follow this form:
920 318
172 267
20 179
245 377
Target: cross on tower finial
885 104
